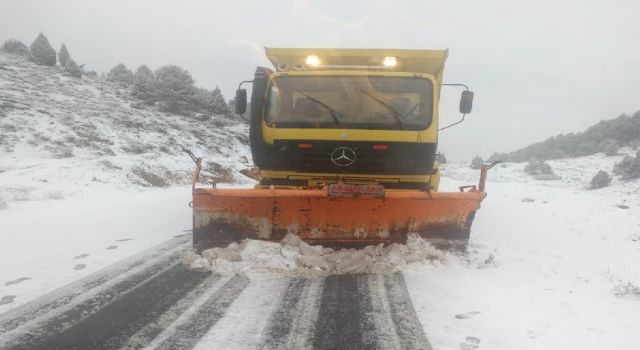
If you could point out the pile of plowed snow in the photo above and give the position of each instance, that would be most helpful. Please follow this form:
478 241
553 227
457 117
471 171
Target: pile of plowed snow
292 256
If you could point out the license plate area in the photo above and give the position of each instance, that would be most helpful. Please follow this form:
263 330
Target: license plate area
350 190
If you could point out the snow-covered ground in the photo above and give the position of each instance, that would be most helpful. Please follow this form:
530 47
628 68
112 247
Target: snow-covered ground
552 264
565 269
62 137
89 176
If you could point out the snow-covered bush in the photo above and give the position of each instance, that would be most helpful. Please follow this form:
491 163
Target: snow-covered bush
144 85
601 179
175 88
538 167
63 55
41 51
626 289
3 204
120 74
476 162
629 167
15 47
73 69
441 158
210 101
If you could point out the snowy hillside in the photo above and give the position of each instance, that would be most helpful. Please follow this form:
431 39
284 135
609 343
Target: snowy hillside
63 137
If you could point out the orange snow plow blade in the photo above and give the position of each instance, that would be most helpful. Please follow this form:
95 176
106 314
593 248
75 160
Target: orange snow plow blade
222 216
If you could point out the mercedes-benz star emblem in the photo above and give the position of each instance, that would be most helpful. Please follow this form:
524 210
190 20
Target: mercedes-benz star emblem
343 156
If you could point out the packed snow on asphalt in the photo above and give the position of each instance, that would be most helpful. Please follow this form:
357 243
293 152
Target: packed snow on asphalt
551 263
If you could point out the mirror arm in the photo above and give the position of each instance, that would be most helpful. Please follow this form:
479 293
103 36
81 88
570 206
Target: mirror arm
463 114
244 82
463 85
456 123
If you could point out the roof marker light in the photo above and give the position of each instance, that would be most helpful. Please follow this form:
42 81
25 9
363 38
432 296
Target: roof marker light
390 61
313 60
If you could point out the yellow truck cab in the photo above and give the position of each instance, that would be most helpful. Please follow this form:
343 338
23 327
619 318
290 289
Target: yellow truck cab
362 116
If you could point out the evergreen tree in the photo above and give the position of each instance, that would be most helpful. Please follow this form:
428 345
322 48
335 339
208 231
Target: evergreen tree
63 55
73 69
120 74
476 162
175 89
144 85
219 105
41 51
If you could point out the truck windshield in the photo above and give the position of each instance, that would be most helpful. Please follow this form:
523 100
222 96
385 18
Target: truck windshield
354 102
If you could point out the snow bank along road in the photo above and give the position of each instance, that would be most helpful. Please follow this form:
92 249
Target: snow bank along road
152 301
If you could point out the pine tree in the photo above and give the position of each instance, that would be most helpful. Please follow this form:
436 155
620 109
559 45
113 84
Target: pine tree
73 69
41 51
476 162
144 84
175 89
120 74
63 55
218 103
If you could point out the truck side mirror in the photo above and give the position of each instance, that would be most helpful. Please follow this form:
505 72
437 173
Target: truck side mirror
241 101
466 102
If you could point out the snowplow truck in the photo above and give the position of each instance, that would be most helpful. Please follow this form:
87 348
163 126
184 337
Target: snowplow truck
345 143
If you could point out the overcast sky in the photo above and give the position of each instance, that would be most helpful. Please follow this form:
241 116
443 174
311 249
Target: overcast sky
538 68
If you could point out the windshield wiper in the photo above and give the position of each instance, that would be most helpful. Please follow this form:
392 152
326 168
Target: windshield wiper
396 114
335 114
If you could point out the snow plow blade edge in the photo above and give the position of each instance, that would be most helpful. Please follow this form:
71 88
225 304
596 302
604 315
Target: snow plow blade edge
222 216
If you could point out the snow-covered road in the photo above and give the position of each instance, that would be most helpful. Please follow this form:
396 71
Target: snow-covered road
152 301
551 265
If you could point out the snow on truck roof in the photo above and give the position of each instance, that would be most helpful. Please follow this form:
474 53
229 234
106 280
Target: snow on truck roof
401 60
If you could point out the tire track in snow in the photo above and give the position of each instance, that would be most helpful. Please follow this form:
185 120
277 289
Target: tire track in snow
367 311
407 325
290 325
159 304
153 330
246 319
55 301
187 334
338 325
116 322
77 310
